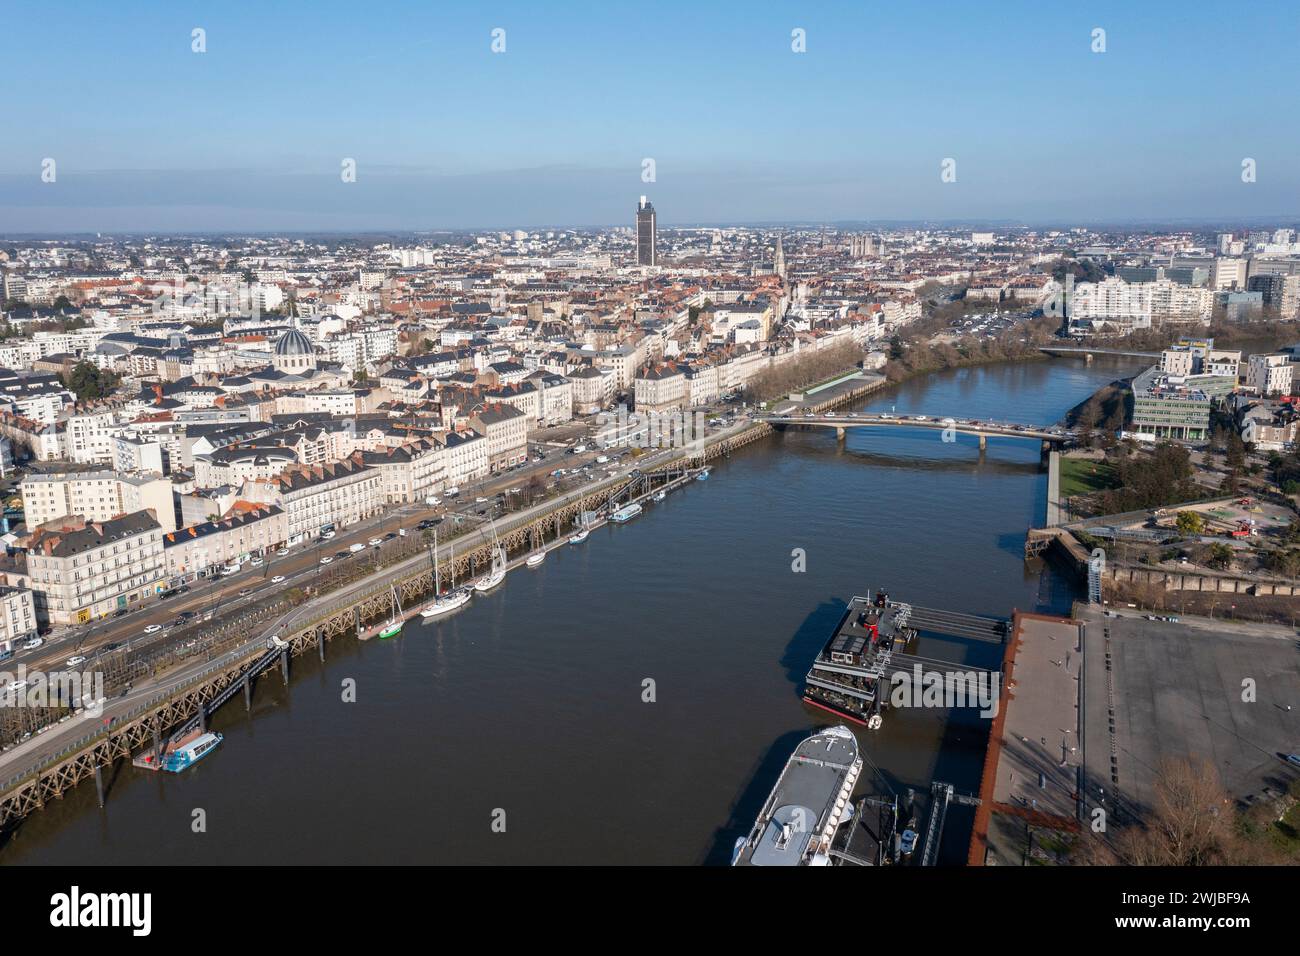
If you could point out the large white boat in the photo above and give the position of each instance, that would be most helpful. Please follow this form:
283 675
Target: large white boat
580 537
534 560
809 802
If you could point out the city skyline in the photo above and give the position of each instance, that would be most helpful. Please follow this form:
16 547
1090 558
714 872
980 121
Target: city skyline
1043 126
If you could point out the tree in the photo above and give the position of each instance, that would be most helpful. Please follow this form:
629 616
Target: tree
1220 556
1189 523
1190 824
88 381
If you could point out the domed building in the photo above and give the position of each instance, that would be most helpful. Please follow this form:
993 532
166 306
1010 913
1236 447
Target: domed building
294 353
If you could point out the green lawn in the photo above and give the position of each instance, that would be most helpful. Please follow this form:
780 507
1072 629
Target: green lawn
1083 476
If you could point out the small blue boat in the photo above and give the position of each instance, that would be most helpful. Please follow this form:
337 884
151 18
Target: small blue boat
703 475
191 753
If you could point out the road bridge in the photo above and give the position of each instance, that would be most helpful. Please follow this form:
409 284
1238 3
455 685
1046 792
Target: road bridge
980 428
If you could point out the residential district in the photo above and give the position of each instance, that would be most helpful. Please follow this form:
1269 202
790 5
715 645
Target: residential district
172 409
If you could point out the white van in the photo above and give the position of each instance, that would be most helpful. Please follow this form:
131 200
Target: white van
453 491
354 548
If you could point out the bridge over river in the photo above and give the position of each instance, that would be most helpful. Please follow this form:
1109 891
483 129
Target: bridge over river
982 429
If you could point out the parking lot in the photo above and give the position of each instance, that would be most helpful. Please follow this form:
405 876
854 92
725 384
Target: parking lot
1225 691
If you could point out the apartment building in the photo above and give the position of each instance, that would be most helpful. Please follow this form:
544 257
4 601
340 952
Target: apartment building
317 496
408 473
506 431
81 570
661 387
203 548
17 617
592 389
1270 375
96 496
465 457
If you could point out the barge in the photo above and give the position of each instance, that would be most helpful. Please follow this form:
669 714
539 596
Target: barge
851 675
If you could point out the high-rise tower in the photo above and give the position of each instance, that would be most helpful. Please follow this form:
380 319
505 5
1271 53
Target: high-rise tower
778 260
647 254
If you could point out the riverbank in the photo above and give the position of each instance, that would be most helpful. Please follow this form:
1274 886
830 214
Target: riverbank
544 678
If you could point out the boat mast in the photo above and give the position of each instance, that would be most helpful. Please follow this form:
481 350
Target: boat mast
437 578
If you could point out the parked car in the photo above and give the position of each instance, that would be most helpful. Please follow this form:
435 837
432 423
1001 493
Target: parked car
257 562
376 542
326 560
283 552
74 661
279 578
34 643
245 592
153 629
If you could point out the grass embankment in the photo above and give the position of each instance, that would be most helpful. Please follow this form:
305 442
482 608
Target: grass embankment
1084 476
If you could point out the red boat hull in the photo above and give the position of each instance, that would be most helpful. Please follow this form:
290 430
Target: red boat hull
831 710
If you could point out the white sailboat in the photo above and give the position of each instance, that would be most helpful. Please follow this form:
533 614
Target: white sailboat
394 625
453 599
583 530
536 559
497 574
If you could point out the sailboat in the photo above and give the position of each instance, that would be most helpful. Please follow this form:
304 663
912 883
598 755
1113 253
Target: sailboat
453 599
583 530
498 572
394 625
535 559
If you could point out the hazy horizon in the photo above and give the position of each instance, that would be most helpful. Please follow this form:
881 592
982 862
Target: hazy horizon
251 135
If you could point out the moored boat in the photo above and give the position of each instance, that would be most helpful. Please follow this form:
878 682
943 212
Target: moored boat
191 753
446 603
626 513
580 537
797 824
536 559
455 598
703 475
394 625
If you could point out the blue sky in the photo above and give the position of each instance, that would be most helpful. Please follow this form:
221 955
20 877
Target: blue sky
149 136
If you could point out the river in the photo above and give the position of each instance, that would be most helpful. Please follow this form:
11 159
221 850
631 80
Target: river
516 732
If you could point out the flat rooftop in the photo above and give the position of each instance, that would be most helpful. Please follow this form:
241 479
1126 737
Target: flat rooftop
1034 754
1178 692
